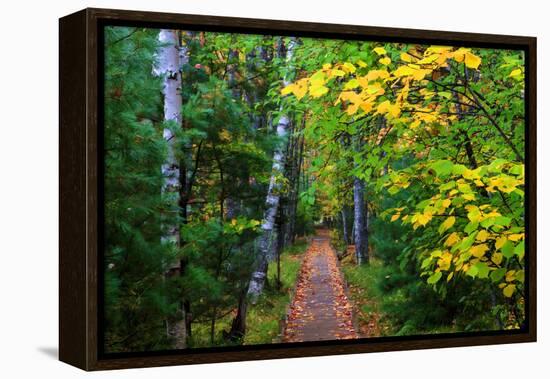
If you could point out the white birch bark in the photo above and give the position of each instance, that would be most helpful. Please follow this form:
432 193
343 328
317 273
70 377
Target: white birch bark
360 222
266 243
168 67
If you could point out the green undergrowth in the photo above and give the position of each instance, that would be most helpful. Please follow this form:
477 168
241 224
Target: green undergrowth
367 297
380 312
264 319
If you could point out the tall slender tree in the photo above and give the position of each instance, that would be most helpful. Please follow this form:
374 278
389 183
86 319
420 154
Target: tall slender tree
169 68
360 219
266 240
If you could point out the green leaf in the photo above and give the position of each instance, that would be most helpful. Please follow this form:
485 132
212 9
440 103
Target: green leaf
474 215
447 186
393 190
520 249
503 221
488 222
458 169
498 274
435 277
470 227
442 167
426 262
483 270
496 165
467 242
353 83
507 249
472 271
517 170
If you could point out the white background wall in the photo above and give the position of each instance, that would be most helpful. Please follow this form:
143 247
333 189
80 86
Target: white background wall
29 184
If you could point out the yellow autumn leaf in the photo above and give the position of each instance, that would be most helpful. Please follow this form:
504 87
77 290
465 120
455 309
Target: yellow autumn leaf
437 49
349 96
515 237
363 81
423 218
452 239
388 108
379 50
500 242
471 60
377 74
450 221
479 250
509 290
459 54
317 91
395 110
349 67
366 106
429 59
420 74
444 263
383 107
497 258
361 64
288 89
415 124
352 109
404 71
515 72
336 73
446 203
395 217
471 174
301 88
385 61
374 89
406 57
482 236
469 196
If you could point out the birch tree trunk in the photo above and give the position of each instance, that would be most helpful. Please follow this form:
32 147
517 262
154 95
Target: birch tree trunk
266 243
360 217
360 222
252 96
168 67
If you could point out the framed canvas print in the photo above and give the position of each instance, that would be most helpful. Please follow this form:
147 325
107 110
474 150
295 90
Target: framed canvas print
237 189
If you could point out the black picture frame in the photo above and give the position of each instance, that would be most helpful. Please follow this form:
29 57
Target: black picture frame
80 183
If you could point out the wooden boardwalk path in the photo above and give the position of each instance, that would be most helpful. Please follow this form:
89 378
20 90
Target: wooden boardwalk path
320 309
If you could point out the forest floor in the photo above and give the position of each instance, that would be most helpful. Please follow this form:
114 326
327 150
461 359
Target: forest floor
320 309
